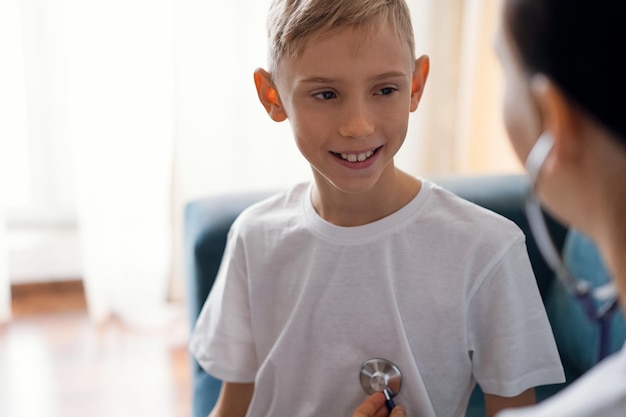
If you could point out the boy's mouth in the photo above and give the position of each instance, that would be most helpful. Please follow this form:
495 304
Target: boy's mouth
354 157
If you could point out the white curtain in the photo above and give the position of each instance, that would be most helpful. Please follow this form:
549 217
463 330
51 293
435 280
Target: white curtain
14 176
120 85
98 83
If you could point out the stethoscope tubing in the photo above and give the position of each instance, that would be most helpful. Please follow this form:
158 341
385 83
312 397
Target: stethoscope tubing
579 289
388 401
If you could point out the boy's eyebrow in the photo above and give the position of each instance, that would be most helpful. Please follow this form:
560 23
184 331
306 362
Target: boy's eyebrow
390 74
320 80
323 80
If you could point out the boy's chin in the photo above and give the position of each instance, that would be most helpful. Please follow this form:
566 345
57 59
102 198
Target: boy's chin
354 187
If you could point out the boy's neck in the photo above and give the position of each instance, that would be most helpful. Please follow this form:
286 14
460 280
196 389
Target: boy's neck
349 209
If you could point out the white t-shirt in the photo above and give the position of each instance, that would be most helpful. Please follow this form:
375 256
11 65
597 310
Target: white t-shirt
601 392
442 287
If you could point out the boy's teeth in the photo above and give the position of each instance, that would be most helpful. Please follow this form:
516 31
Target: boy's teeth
352 157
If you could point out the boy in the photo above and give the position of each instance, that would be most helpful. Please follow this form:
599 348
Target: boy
365 261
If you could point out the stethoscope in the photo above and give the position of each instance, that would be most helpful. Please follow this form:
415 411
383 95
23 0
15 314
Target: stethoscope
605 296
381 375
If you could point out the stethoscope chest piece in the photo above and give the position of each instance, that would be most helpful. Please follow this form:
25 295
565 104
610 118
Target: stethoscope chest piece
380 375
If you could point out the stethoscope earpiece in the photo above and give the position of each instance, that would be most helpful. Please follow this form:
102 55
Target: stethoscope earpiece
381 375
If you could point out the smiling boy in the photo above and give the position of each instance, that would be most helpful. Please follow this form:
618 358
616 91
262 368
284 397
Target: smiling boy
365 261
349 112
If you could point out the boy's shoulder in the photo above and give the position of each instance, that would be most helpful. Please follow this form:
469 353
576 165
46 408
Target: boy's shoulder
283 204
464 214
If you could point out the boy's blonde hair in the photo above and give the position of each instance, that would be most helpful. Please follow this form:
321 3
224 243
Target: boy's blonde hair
291 23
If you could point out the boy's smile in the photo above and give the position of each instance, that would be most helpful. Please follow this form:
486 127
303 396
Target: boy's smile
355 159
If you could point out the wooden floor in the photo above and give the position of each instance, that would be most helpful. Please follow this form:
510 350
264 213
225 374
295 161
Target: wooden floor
54 362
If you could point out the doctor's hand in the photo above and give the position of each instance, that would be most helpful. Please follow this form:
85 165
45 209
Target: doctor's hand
374 406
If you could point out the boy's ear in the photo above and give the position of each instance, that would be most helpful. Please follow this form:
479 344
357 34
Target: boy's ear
420 75
560 118
268 95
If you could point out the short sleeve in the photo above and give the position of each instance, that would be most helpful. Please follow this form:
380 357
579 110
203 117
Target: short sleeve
509 335
221 340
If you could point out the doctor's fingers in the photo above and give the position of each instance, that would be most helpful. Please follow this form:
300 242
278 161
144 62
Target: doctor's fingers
373 406
398 411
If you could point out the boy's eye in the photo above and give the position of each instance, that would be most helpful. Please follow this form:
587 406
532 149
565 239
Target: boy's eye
385 91
325 95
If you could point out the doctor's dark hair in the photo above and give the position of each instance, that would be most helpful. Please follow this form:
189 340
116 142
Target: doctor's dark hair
291 23
577 44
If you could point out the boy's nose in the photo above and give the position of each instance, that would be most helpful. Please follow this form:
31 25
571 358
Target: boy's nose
356 122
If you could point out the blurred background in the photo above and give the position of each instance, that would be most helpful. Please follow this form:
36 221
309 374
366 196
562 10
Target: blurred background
113 115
